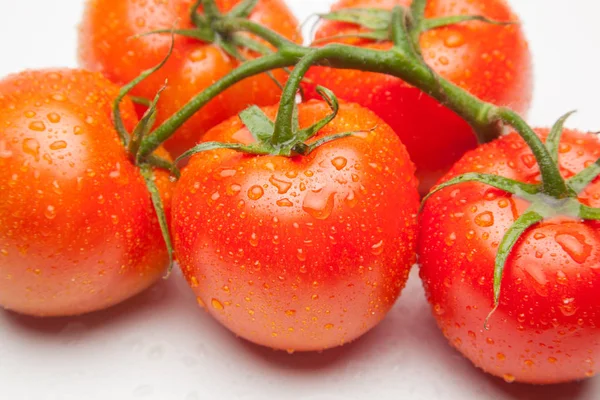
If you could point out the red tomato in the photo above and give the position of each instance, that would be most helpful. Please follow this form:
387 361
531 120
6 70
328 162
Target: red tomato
78 231
106 45
302 253
490 61
546 329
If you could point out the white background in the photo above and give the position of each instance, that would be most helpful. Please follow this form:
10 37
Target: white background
160 346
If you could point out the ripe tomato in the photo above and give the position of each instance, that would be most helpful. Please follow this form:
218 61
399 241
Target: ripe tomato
106 45
301 253
78 231
546 327
490 61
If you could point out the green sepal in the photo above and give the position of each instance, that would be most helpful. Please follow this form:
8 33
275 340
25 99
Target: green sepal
520 189
580 181
511 237
259 125
142 101
553 139
435 23
207 146
117 118
162 163
417 10
144 126
589 213
304 149
332 101
149 178
243 9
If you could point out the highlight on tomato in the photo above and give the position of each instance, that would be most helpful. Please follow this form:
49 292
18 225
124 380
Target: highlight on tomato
122 38
509 255
476 44
78 230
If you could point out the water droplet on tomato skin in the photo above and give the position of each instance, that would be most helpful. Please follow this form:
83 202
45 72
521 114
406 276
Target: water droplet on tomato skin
485 219
339 163
255 192
567 307
454 40
281 185
319 204
509 378
377 248
32 147
575 246
37 126
217 305
50 212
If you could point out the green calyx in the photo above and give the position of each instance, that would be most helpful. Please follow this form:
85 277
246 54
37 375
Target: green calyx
268 142
553 197
379 23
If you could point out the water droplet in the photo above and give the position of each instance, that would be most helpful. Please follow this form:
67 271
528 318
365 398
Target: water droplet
217 305
529 160
29 114
339 163
284 203
438 309
290 313
58 145
567 306
485 219
194 282
200 302
489 341
503 203
115 219
77 130
509 378
53 117
301 255
32 147
537 273
377 248
37 126
50 212
444 60
561 278
529 363
575 245
255 192
450 239
4 252
481 280
253 240
501 356
281 185
455 39
589 373
472 335
328 326
319 204
552 360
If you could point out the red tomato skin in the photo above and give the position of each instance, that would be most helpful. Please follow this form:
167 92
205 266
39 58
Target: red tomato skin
546 329
107 45
302 253
78 232
492 62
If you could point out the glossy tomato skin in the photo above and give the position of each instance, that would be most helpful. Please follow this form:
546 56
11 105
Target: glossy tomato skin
106 45
547 328
302 253
78 232
490 61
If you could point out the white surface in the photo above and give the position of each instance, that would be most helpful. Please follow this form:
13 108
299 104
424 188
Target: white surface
160 346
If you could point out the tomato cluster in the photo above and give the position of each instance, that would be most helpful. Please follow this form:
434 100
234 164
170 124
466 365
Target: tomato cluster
299 245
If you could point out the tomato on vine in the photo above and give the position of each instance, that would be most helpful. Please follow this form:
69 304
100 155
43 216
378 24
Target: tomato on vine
113 41
489 60
511 271
78 230
297 234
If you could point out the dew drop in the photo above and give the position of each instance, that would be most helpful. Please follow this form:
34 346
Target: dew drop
217 305
552 360
567 306
200 302
290 313
284 203
50 212
485 219
377 248
53 117
339 163
501 356
58 145
32 147
281 185
509 378
455 39
575 246
37 126
253 239
561 278
319 204
255 192
328 326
